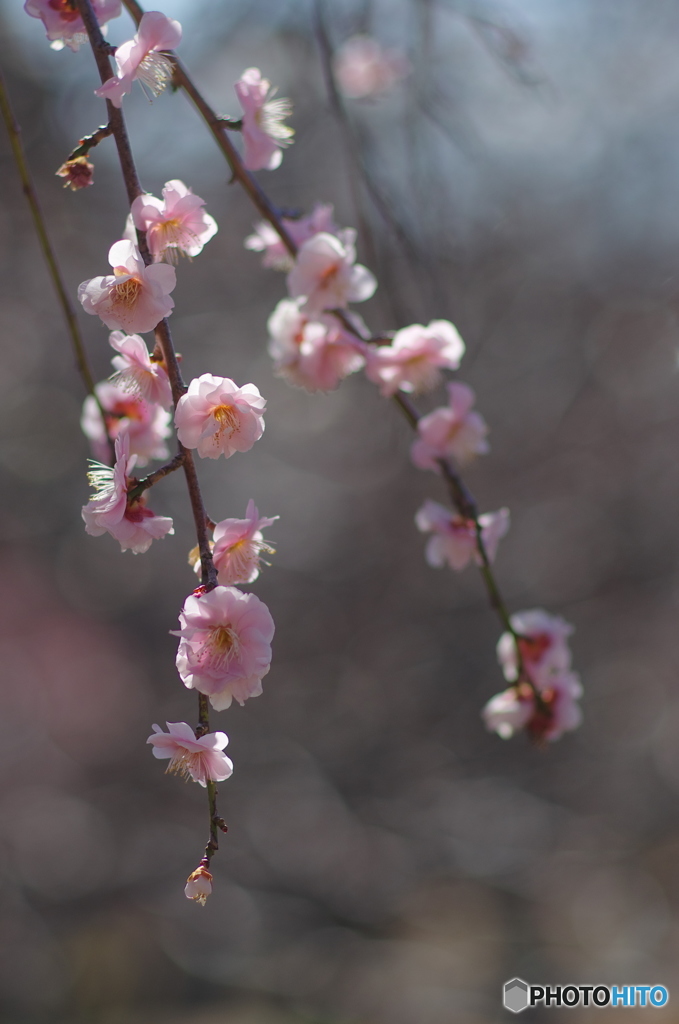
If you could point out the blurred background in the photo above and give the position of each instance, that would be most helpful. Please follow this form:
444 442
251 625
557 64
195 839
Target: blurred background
387 861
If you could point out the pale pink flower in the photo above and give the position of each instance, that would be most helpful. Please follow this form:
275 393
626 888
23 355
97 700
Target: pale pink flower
453 430
363 68
217 417
264 133
138 372
175 224
509 711
63 23
325 275
146 425
544 647
237 547
132 524
225 646
517 708
454 537
198 885
415 357
140 58
202 759
313 354
134 298
267 240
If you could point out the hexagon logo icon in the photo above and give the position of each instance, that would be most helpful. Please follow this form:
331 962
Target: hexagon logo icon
515 995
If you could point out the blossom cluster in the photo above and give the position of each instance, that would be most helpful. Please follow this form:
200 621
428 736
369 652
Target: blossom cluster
224 633
315 341
542 700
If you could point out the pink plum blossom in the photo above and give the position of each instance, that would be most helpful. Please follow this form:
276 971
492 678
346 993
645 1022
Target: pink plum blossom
217 417
141 58
453 430
508 712
454 537
267 240
544 647
134 298
62 20
225 646
415 357
201 759
313 354
175 224
138 372
198 885
325 275
132 524
517 708
146 425
363 68
237 546
264 133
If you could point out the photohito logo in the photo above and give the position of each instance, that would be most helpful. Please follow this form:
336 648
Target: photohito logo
518 995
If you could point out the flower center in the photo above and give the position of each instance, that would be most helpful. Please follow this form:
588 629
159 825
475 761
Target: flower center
168 233
127 293
220 647
185 763
225 417
534 647
155 71
65 8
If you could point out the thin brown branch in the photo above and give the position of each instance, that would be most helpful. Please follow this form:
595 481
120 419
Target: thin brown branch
14 132
88 142
148 481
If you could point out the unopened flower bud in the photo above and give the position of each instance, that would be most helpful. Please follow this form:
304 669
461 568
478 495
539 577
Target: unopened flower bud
78 173
198 885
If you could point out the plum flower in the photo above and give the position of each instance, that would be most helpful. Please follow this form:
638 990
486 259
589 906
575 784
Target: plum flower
237 546
363 68
225 646
175 224
201 759
453 539
138 372
77 172
140 58
453 430
415 357
325 275
146 425
267 240
134 298
517 708
264 133
543 640
132 524
546 661
63 23
217 417
198 885
313 354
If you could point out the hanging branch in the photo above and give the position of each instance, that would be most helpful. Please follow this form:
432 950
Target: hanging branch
101 51
49 255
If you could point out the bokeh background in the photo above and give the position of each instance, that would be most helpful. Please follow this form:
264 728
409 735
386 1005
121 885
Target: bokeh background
388 861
